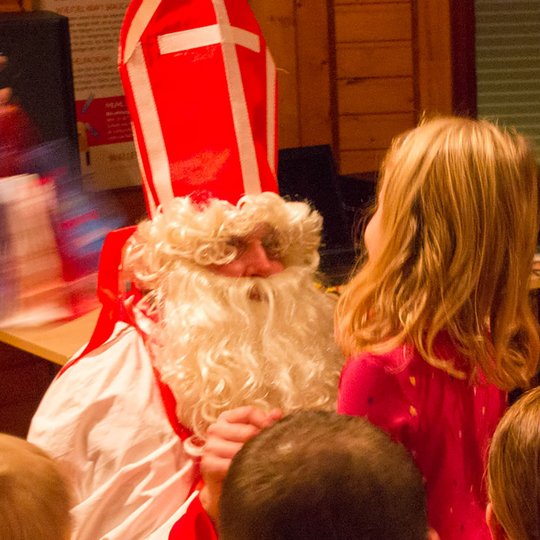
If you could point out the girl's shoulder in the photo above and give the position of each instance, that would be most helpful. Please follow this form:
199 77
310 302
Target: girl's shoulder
392 361
406 358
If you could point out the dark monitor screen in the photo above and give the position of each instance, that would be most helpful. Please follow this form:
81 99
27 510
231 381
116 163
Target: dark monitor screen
309 173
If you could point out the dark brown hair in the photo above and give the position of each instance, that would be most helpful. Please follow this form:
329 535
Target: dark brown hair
322 475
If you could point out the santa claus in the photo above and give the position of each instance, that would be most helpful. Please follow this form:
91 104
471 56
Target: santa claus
212 304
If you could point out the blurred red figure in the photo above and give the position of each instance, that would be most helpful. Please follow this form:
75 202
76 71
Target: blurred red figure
17 133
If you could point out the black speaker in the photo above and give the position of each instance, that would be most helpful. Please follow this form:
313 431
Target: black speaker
37 47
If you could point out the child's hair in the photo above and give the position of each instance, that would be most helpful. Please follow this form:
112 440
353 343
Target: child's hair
458 232
318 474
513 472
34 497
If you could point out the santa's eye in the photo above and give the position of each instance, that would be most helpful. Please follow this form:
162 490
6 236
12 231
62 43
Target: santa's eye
268 239
239 244
272 244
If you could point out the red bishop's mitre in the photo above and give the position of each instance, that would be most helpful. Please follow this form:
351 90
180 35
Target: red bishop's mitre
200 86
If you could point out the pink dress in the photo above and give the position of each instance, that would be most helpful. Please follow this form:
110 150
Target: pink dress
445 422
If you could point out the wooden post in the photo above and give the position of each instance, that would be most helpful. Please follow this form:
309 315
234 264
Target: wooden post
433 58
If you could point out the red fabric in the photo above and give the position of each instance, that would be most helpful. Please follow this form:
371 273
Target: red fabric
445 422
17 135
169 403
192 100
108 290
195 524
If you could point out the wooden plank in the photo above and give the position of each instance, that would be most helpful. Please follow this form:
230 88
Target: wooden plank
385 95
434 56
372 131
362 2
278 24
376 59
314 87
373 22
360 161
15 5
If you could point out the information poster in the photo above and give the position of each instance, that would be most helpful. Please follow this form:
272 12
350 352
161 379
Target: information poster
108 156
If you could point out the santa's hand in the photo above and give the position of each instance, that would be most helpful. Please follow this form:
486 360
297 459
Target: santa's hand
225 437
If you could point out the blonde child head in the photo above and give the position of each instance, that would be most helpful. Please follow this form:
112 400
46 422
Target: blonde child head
34 499
456 234
513 473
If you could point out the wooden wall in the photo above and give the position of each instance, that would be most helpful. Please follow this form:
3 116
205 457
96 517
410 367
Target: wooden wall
15 5
355 73
374 77
298 36
392 64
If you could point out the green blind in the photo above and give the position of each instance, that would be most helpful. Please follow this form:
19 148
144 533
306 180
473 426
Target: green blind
508 63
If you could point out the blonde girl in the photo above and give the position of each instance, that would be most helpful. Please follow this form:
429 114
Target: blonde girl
513 473
437 323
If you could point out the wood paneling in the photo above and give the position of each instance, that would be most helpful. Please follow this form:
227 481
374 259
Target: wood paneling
361 96
298 36
314 86
376 59
372 131
15 5
372 22
434 56
363 2
393 63
375 79
355 161
278 24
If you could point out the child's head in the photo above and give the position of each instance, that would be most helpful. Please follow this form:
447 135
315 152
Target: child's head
322 475
34 497
451 248
513 473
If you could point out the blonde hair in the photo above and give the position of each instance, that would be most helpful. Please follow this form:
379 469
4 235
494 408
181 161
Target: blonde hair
458 233
513 472
35 500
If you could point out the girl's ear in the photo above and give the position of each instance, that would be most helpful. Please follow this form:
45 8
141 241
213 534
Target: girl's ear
432 535
495 528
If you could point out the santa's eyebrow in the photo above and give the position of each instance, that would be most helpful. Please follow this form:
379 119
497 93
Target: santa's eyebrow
235 239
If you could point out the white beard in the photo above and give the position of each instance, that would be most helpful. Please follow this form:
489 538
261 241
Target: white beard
226 342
